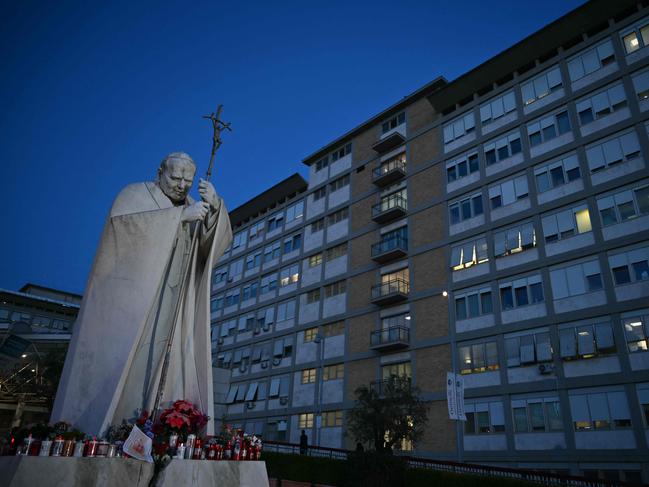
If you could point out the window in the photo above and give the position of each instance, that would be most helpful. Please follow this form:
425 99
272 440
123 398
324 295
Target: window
401 320
459 127
321 164
502 148
401 369
557 173
398 199
547 128
333 329
320 193
484 418
508 192
478 357
236 267
641 85
393 123
586 340
337 251
268 283
643 396
590 60
338 216
283 347
332 418
528 348
286 310
497 107
231 298
541 85
257 230
315 260
636 332
462 166
335 289
616 149
317 225
292 243
624 205
536 415
465 208
295 212
514 240
333 372
341 152
305 420
217 303
310 334
253 261
275 222
521 292
313 296
250 290
238 239
636 37
289 275
473 303
272 251
575 280
220 275
630 266
469 254
308 376
566 223
339 183
603 103
396 162
600 410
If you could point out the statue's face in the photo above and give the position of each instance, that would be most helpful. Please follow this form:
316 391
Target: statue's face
176 179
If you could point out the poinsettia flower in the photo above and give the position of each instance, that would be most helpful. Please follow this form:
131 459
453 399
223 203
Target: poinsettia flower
182 405
177 420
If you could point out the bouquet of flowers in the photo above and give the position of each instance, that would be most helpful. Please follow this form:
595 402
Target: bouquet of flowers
182 418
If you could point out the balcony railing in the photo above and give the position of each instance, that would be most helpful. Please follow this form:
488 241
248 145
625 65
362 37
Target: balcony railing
389 172
390 248
391 291
379 386
389 338
389 208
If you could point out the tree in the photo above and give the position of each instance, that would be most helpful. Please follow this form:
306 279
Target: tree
388 416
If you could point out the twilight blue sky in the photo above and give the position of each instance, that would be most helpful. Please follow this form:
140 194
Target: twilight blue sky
94 94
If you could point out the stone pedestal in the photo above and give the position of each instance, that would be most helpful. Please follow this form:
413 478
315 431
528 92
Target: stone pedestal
119 472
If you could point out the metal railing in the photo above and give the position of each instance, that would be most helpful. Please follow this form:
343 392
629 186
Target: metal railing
390 203
388 244
393 286
534 476
397 164
394 334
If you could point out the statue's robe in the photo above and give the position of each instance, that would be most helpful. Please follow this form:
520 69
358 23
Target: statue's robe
115 358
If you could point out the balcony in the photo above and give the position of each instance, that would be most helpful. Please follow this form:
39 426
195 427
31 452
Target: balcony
390 338
389 249
389 141
391 291
379 386
389 172
390 208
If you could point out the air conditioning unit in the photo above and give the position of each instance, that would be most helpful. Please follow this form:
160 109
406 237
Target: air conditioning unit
545 369
264 364
250 405
277 360
219 340
243 368
256 331
283 400
266 327
230 278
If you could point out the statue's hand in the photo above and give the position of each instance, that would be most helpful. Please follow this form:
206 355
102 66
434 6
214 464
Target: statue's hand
206 190
195 212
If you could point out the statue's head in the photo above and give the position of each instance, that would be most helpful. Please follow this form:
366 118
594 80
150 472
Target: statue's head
176 175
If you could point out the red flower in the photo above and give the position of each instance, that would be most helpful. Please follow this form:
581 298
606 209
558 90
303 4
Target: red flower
176 420
184 406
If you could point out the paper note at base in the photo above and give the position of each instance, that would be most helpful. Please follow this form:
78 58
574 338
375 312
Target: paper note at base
138 445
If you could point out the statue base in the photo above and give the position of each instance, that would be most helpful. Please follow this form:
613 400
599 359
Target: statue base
23 471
